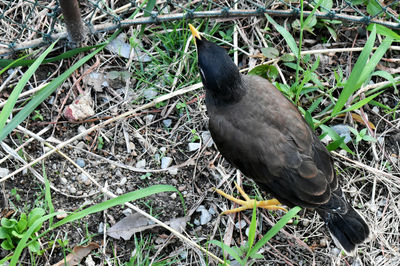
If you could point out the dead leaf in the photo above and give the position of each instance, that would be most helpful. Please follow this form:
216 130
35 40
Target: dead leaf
129 225
77 254
80 109
179 224
136 222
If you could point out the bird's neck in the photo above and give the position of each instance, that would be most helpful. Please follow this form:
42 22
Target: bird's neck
226 93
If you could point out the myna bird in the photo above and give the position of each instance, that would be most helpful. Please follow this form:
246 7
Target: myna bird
259 131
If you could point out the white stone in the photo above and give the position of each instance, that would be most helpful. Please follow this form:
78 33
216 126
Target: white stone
166 162
141 164
194 146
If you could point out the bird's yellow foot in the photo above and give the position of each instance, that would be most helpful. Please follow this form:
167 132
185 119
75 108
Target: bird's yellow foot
248 203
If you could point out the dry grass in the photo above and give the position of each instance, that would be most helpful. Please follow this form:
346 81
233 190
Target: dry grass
370 177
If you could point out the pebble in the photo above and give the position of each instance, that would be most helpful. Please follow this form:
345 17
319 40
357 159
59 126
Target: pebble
51 100
127 212
81 129
62 215
206 136
382 202
157 157
81 145
353 192
118 173
193 146
343 152
247 231
184 254
375 109
196 222
335 251
132 147
182 188
166 162
393 159
212 211
80 162
173 196
84 179
4 172
123 181
72 189
119 191
141 164
205 217
63 180
54 166
373 207
150 93
241 224
323 242
167 122
148 118
305 222
342 131
100 230
173 171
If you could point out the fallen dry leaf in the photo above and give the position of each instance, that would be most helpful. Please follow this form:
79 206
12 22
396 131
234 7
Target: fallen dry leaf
77 254
136 222
80 109
129 225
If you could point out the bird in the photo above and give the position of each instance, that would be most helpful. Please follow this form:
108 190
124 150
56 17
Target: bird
260 132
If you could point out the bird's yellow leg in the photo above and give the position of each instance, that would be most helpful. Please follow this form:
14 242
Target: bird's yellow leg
248 203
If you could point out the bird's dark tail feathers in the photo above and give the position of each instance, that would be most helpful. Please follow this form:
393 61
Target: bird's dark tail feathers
345 224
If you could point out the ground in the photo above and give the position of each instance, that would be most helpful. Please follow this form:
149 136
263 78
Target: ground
127 155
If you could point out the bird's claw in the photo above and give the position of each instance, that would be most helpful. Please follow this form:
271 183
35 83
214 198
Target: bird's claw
272 204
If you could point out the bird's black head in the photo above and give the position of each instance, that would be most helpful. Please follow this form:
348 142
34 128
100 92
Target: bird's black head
219 74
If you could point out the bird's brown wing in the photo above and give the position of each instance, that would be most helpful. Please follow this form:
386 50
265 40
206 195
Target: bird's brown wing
268 140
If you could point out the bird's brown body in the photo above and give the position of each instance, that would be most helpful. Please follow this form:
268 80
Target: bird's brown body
264 135
257 129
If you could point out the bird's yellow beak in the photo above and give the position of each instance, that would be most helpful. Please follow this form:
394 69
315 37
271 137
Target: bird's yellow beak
195 32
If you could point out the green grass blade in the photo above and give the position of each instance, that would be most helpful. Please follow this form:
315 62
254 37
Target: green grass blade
375 58
361 103
385 75
228 249
47 194
382 30
274 230
253 226
28 62
8 107
286 35
350 85
8 63
336 138
131 196
362 69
